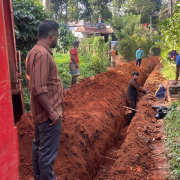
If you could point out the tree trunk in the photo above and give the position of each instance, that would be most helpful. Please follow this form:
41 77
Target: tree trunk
46 4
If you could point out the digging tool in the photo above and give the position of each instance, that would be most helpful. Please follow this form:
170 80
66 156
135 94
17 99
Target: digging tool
103 74
107 157
130 108
127 112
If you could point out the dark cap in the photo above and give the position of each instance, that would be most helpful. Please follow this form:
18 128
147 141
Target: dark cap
172 53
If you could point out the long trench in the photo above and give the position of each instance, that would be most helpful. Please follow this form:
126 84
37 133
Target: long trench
129 159
94 125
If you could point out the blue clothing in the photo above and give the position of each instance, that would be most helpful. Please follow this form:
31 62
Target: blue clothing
178 59
139 54
138 61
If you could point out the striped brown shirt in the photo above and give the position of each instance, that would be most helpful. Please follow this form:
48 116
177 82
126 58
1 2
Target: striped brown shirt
43 77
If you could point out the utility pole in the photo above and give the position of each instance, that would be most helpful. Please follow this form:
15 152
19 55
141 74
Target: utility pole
171 8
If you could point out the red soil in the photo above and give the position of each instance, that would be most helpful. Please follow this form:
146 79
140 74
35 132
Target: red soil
93 118
139 156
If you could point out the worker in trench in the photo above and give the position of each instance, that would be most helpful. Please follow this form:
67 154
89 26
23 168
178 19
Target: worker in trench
132 93
175 57
46 91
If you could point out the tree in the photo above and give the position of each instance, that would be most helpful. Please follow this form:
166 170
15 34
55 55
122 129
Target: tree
85 10
59 9
73 10
100 8
66 37
27 16
141 7
124 25
116 6
166 9
46 4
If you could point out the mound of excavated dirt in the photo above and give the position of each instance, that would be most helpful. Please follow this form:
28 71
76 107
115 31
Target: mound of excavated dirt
136 158
93 118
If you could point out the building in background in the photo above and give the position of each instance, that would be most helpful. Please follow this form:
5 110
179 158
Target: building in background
83 29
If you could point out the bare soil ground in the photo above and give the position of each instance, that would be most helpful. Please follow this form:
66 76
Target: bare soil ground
96 141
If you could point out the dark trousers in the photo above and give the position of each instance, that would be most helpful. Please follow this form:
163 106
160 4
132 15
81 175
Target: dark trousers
132 104
44 149
138 61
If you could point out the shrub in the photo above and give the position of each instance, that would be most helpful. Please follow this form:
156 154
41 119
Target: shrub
127 48
28 14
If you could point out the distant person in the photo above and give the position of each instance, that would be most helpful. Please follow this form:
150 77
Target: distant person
175 57
139 55
100 19
74 62
132 93
46 92
112 53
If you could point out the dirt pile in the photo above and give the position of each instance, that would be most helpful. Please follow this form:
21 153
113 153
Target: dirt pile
93 118
135 158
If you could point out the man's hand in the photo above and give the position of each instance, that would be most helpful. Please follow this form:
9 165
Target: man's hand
54 118
175 82
77 66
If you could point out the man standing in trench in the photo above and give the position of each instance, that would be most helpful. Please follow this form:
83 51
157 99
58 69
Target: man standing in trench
46 92
74 62
132 92
175 57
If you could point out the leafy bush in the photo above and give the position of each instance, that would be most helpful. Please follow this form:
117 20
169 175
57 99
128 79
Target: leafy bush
100 53
26 97
127 48
169 41
171 130
85 46
66 37
27 16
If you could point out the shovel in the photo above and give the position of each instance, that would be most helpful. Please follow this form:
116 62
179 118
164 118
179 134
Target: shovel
129 110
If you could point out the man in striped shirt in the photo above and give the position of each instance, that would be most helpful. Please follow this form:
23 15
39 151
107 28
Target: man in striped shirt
46 92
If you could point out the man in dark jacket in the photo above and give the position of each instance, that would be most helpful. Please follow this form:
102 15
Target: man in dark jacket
132 92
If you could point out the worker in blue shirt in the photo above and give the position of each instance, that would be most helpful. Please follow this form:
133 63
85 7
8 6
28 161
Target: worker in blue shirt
139 55
175 57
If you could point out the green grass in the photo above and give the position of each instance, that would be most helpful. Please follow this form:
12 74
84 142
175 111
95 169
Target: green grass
169 70
172 142
86 67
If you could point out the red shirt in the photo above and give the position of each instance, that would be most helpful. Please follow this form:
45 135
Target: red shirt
74 51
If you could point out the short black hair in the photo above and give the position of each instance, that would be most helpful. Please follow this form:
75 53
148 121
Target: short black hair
139 46
135 73
75 42
46 27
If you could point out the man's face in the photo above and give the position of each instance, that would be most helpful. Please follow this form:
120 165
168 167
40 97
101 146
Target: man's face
55 38
139 48
135 77
173 58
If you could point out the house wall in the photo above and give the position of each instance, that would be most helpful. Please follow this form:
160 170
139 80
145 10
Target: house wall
79 35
